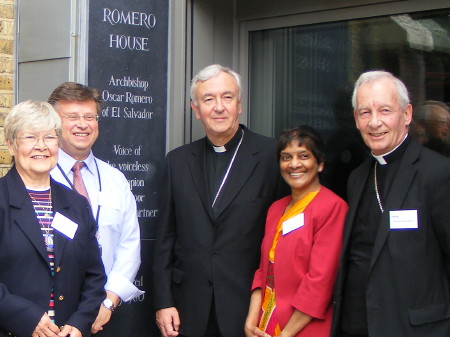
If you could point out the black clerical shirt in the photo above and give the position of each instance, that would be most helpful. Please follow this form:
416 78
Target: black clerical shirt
364 230
217 161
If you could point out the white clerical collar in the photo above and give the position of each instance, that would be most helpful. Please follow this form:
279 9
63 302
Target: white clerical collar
230 145
219 149
381 158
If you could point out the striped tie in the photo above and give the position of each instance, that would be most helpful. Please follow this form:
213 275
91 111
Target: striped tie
78 182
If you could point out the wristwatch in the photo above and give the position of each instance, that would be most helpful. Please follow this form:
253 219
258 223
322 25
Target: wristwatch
108 304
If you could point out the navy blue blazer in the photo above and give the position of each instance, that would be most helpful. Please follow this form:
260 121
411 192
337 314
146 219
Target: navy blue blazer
408 285
25 276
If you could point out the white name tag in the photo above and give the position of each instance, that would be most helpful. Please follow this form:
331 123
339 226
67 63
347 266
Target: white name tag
293 223
64 225
404 219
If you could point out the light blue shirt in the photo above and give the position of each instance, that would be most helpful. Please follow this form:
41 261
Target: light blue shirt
118 227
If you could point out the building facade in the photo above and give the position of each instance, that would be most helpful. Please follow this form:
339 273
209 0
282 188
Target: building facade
298 61
6 74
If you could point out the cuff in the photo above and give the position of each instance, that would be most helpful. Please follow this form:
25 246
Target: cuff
121 286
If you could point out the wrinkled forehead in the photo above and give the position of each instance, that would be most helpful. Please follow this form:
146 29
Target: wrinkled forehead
377 92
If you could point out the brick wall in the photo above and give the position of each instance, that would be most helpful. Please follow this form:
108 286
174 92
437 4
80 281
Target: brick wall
6 74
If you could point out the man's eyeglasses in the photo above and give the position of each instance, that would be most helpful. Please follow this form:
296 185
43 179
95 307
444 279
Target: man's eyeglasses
33 140
87 117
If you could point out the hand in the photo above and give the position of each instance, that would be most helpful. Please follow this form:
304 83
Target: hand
168 321
260 333
254 331
45 328
71 331
251 328
103 317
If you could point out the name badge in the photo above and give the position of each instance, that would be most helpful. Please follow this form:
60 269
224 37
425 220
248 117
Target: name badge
293 223
64 225
108 200
404 219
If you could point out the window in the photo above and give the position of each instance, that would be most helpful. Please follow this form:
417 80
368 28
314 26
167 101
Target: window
304 75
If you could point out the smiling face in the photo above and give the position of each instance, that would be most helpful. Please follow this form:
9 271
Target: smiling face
77 136
34 162
379 117
300 169
218 107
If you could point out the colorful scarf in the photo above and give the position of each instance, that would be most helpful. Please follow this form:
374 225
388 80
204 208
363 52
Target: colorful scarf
269 321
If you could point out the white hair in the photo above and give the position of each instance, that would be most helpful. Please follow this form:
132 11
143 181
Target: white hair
373 75
210 72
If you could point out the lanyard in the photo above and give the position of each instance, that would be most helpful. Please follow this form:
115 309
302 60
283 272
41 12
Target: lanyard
99 184
228 170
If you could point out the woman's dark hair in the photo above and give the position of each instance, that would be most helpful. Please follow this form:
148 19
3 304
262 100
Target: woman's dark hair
305 136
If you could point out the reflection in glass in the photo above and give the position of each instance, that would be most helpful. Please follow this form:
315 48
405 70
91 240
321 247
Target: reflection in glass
304 75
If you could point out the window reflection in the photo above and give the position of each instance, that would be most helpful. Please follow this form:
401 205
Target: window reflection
304 75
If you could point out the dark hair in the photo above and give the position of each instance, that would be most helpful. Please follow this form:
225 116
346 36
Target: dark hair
71 91
305 136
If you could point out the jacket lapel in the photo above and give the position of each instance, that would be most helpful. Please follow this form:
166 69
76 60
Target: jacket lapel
356 192
247 158
244 164
197 168
397 194
61 205
22 212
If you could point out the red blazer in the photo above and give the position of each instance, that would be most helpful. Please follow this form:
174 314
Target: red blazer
306 261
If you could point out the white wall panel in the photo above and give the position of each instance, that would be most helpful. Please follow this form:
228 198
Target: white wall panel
44 29
38 79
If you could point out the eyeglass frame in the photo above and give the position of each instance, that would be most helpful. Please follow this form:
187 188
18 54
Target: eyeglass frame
72 118
44 140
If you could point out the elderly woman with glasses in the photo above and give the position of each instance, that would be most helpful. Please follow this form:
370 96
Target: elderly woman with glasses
51 275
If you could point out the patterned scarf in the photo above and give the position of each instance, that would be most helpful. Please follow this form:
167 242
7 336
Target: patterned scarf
269 321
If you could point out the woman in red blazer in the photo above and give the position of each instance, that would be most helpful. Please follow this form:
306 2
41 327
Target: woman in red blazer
292 289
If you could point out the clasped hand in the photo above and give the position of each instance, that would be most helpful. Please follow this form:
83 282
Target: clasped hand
46 328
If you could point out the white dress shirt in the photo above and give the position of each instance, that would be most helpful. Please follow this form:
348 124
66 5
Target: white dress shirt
118 227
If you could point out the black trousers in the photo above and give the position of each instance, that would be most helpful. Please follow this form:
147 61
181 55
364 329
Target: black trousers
212 329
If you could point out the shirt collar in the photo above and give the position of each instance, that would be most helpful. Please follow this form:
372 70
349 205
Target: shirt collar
394 154
66 162
229 146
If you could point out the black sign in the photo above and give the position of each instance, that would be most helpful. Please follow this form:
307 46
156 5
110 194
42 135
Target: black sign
128 63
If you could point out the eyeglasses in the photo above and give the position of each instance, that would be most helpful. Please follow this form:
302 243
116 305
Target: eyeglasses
87 117
33 140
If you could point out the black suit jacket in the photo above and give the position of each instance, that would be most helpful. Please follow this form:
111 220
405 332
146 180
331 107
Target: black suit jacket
195 256
408 286
25 276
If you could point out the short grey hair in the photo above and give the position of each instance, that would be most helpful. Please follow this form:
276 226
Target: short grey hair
423 112
35 115
210 72
374 75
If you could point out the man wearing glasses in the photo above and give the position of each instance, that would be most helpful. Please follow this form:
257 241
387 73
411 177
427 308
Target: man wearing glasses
106 188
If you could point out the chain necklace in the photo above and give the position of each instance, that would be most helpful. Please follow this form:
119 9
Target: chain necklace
228 169
46 209
376 188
